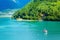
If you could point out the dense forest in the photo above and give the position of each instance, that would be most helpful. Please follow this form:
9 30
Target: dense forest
48 10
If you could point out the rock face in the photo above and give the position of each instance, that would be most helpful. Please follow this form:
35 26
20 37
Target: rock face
48 10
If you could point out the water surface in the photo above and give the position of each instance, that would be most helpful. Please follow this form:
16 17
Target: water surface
27 30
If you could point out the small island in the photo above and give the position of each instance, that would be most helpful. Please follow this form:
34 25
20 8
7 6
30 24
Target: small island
39 10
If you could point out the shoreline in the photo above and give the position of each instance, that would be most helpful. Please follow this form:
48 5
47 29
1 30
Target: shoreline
19 19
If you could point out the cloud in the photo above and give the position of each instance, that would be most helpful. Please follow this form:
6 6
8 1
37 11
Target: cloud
14 1
7 12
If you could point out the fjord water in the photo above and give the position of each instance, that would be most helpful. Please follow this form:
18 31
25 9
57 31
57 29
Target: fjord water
28 30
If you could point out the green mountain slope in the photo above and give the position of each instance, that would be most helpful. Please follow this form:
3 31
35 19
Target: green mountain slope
48 10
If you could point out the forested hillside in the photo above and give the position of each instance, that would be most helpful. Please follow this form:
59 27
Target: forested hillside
48 10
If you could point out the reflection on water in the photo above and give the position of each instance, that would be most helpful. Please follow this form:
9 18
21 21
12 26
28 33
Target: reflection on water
25 30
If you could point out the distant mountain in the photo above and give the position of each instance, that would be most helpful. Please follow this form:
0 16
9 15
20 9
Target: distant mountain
10 4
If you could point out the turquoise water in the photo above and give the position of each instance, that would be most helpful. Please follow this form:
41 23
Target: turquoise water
27 30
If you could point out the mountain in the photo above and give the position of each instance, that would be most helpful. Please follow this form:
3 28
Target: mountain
11 4
47 10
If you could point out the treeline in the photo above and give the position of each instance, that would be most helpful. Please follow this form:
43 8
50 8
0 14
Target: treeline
48 10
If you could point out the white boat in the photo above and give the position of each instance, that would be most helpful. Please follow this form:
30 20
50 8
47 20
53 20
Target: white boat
45 31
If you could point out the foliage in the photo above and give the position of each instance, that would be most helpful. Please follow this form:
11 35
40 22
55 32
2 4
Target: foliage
40 9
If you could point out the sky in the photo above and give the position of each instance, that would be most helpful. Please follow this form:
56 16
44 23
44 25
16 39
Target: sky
14 1
12 4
